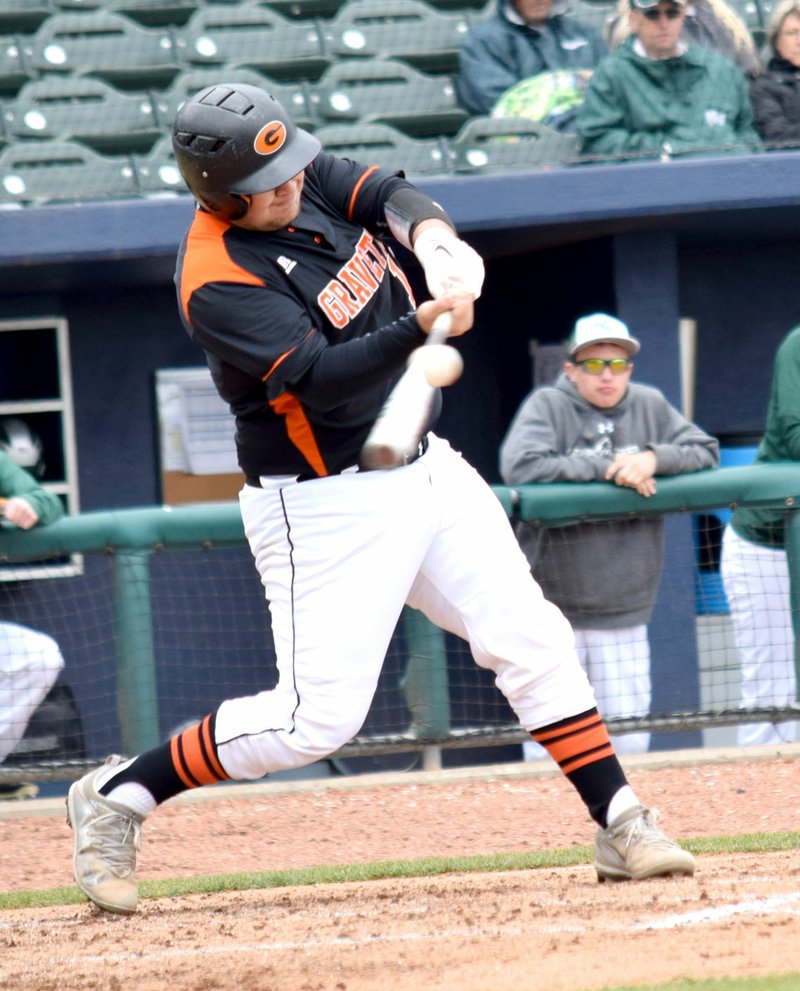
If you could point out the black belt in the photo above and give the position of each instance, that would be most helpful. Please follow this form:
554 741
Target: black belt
255 481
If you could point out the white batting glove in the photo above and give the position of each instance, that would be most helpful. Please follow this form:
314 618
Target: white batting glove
448 262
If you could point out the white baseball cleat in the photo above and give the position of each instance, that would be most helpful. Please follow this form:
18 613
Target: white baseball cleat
107 838
634 848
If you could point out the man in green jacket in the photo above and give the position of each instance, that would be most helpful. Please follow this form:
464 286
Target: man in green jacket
30 661
657 97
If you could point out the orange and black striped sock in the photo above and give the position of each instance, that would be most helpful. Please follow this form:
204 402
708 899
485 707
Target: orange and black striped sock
582 749
188 760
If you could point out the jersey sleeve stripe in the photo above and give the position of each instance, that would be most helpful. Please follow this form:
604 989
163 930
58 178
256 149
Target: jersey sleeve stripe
279 361
357 190
206 259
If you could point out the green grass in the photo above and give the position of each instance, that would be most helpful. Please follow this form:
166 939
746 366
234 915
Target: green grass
429 867
779 982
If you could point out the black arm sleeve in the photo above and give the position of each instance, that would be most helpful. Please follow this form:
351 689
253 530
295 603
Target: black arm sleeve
406 208
352 367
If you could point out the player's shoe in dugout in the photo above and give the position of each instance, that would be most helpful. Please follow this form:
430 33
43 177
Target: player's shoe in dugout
107 838
635 848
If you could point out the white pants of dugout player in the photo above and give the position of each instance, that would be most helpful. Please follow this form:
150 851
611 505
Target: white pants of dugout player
618 665
29 665
340 557
756 582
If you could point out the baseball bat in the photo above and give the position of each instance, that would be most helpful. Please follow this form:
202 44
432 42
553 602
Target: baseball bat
396 433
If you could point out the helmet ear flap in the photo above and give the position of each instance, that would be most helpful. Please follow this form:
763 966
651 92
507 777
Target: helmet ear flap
227 206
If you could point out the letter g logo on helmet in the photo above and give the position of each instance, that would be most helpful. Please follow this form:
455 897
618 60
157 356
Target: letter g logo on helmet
270 138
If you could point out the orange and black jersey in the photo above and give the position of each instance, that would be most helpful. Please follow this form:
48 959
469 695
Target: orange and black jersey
305 329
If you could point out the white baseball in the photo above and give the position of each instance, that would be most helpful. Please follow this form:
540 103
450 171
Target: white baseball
442 364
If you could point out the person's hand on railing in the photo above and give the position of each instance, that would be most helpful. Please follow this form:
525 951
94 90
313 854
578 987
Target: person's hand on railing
19 511
634 471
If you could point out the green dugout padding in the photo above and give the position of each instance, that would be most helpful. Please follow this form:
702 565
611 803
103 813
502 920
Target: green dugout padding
131 536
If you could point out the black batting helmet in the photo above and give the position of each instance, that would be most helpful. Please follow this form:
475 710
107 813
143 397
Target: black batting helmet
232 140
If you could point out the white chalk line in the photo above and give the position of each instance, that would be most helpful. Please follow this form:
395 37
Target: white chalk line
773 905
784 904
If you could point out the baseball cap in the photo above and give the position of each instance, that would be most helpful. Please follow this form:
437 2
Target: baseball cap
600 328
647 4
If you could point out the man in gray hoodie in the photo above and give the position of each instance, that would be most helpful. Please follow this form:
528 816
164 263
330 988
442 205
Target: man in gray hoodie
593 424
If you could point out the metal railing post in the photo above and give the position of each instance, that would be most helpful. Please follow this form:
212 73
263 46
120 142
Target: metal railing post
424 684
137 699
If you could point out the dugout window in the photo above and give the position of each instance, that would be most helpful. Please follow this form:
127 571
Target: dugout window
36 388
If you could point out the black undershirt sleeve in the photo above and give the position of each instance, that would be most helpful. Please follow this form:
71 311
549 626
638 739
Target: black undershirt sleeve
353 367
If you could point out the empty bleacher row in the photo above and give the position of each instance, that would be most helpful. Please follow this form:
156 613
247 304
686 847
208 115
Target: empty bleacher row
89 88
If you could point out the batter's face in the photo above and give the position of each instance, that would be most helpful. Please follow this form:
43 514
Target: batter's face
274 209
606 389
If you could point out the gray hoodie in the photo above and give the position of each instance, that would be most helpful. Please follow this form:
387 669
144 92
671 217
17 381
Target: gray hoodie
602 575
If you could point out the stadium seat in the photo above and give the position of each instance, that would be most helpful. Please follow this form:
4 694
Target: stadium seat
104 44
385 146
403 29
157 172
22 16
36 172
389 91
592 12
252 36
14 70
186 84
754 13
294 9
86 110
150 13
472 8
492 144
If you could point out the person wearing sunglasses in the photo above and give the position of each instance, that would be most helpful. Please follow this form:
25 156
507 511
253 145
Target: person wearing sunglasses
594 424
776 94
656 96
713 23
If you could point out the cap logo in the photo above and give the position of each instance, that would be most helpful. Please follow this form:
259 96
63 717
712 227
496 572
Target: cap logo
270 138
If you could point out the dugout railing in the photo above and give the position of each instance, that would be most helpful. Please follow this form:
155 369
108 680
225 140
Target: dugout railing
131 540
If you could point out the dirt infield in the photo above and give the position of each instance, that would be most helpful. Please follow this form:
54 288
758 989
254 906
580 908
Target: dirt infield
548 930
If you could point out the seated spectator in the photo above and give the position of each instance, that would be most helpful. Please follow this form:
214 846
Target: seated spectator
30 661
523 39
656 96
776 94
755 570
593 424
712 23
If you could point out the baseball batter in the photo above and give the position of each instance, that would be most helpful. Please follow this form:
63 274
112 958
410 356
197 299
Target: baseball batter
287 282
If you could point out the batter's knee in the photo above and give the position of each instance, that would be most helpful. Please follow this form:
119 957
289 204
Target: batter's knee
313 734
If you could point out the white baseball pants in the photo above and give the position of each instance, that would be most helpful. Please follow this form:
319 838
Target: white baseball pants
29 665
756 582
340 556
